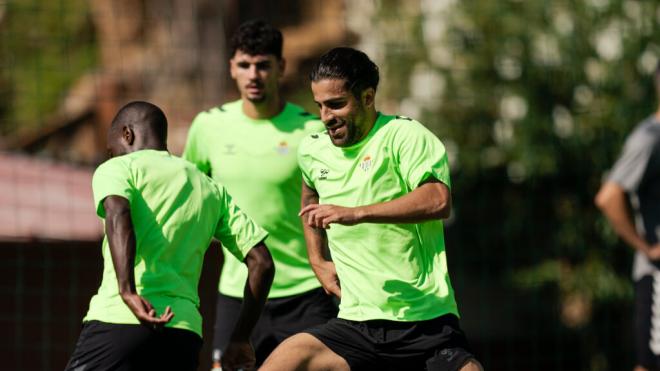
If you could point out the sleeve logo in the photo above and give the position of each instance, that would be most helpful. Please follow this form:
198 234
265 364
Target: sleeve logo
324 174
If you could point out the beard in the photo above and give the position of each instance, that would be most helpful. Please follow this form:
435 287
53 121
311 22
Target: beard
352 133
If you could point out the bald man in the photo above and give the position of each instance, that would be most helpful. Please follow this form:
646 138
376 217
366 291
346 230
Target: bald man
160 214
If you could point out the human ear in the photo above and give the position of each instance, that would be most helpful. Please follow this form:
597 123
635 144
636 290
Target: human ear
128 135
232 68
282 66
368 97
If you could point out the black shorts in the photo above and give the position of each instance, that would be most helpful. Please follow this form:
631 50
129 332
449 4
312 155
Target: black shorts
436 344
644 342
109 346
281 318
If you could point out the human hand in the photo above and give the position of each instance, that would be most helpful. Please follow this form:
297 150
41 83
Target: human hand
653 253
145 312
327 275
238 356
320 216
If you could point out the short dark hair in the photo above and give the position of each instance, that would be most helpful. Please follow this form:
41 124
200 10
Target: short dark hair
257 37
142 116
347 64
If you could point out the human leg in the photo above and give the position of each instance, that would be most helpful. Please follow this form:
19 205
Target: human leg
226 314
472 365
263 338
644 358
304 352
287 316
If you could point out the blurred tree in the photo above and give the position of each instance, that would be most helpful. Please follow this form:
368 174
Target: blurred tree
44 47
68 65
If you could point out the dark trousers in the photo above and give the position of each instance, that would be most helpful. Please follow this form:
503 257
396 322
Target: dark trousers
109 346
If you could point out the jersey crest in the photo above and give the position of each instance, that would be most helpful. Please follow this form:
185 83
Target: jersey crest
366 163
282 148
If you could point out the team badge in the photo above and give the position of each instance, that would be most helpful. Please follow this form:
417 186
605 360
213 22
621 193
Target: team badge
282 148
365 165
324 174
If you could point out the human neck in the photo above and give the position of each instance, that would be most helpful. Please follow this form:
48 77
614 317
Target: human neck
153 144
263 110
370 119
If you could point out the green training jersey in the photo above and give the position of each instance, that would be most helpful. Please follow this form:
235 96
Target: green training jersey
394 272
256 161
175 210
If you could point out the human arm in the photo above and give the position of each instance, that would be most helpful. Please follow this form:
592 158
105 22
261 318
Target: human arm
239 352
121 240
244 240
612 201
431 200
317 247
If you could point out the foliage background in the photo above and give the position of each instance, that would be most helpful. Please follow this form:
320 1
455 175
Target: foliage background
44 47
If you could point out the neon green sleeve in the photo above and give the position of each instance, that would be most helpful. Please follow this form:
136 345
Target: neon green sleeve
235 230
303 163
112 178
420 154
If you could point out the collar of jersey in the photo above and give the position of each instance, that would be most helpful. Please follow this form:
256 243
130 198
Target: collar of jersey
377 124
287 106
147 151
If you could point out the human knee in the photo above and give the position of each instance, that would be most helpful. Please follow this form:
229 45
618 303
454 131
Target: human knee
304 352
291 354
472 365
301 342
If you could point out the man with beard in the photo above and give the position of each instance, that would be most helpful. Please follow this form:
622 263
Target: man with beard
249 146
375 190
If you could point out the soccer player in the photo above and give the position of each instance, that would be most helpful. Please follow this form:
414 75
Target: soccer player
636 175
160 215
249 146
375 189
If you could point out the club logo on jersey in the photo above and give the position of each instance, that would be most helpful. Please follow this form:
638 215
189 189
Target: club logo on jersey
324 174
282 148
230 149
366 163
